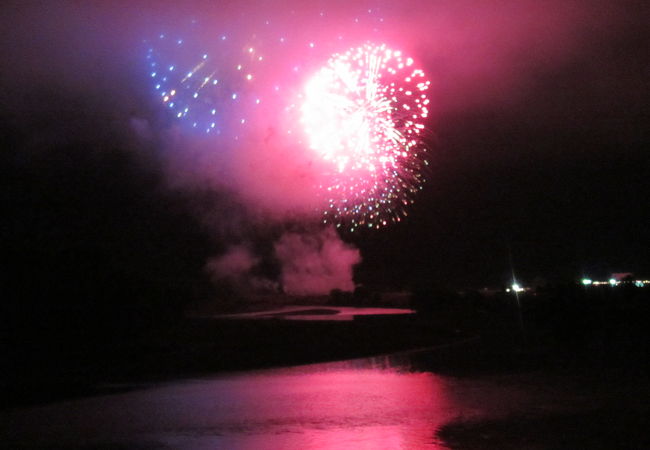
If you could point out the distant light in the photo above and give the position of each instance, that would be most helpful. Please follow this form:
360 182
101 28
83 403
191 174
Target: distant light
516 287
612 281
586 281
638 283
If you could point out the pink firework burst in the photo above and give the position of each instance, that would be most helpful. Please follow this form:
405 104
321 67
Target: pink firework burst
364 115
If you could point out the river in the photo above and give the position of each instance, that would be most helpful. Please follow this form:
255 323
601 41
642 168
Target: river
373 403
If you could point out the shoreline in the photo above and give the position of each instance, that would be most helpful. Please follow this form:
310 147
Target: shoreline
209 346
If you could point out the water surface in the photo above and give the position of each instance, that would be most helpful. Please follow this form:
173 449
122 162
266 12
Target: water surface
357 404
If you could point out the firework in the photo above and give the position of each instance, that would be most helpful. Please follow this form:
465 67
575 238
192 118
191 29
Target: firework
214 77
268 87
204 85
363 113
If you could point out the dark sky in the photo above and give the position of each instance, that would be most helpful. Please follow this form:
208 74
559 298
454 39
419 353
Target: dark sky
561 177
556 169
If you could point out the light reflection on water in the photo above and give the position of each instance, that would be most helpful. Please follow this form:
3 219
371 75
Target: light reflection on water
361 404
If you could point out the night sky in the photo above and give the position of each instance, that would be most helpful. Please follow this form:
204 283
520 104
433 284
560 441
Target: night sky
538 149
558 175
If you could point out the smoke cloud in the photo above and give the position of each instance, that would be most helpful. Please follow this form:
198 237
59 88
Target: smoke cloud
235 264
236 267
478 56
316 263
475 54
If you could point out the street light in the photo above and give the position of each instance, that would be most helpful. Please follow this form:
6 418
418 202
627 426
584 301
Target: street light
517 288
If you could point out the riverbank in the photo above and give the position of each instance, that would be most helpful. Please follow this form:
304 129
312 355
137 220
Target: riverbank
201 346
64 360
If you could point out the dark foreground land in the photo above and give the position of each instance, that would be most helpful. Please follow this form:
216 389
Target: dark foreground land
52 368
597 429
585 352
580 356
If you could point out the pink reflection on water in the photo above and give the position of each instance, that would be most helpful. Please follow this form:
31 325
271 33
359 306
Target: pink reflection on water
318 313
360 404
